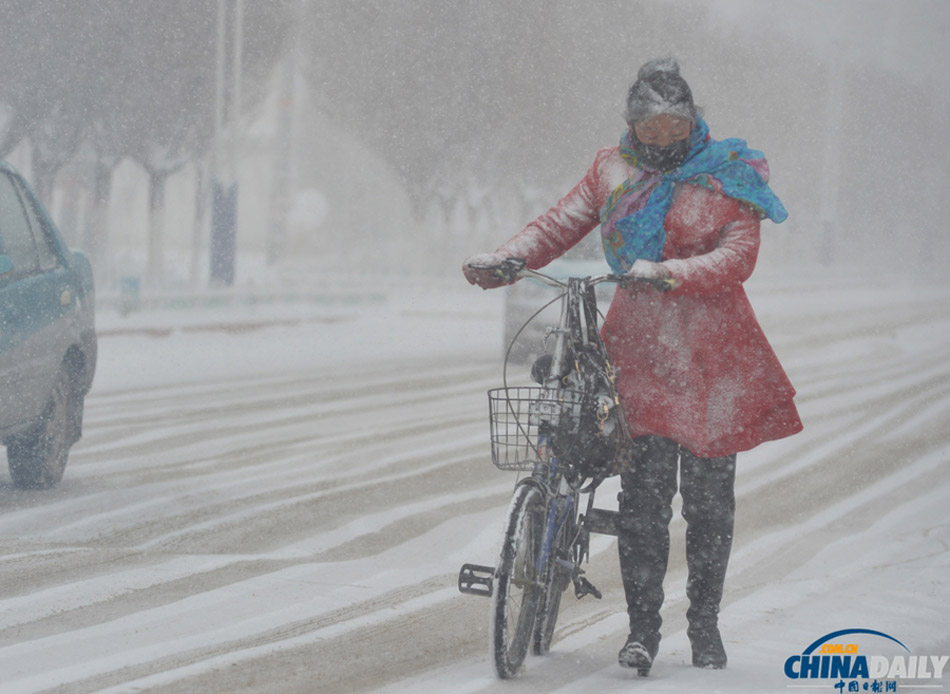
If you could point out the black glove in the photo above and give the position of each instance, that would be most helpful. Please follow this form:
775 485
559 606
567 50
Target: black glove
489 271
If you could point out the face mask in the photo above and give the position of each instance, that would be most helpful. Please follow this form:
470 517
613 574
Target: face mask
658 158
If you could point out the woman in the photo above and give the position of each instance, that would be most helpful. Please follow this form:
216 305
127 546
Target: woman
698 380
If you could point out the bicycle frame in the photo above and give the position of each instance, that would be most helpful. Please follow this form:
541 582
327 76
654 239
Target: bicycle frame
561 501
573 306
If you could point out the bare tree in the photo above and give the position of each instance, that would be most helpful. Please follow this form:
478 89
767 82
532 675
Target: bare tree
133 77
53 65
453 92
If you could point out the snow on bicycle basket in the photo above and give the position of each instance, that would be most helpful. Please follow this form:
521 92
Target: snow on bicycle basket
520 414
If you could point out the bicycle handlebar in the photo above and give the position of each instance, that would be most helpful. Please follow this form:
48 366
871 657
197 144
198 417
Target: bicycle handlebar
512 269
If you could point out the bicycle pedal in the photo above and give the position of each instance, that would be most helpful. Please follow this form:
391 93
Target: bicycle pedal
477 580
584 587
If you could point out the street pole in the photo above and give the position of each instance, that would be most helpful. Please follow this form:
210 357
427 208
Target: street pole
224 196
283 171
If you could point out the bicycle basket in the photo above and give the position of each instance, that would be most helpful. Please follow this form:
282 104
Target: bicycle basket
519 414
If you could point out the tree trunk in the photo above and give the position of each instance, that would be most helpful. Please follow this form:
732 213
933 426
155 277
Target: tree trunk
43 181
156 229
201 213
96 237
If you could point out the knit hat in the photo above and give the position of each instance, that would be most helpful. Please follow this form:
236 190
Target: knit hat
660 89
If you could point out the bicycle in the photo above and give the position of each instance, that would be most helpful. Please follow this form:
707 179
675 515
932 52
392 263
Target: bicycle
570 433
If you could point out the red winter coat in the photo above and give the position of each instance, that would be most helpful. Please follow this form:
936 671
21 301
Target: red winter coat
694 364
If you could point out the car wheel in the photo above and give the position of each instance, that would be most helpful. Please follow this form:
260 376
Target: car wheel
37 458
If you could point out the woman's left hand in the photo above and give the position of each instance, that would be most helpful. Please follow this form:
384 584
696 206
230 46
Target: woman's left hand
648 270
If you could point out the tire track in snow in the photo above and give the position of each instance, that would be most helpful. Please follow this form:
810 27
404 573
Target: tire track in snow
758 507
209 420
873 407
403 479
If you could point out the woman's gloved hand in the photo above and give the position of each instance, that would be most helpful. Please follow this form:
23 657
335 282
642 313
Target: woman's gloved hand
647 270
656 275
484 270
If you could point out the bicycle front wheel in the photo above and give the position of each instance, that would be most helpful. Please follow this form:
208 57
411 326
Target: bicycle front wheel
517 589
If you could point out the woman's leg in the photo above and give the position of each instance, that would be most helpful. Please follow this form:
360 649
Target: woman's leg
707 486
643 538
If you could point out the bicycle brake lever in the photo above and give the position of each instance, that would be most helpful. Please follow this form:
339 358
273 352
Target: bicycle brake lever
510 267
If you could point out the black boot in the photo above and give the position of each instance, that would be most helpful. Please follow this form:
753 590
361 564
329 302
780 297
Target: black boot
643 539
639 652
706 643
707 486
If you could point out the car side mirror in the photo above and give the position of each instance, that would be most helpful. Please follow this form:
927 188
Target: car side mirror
6 265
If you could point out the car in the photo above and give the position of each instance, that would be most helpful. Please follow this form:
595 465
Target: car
48 343
524 331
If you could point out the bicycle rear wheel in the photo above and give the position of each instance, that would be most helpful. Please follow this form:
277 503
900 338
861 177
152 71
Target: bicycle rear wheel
553 586
517 590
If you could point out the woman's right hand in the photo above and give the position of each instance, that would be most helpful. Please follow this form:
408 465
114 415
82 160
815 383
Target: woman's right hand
484 269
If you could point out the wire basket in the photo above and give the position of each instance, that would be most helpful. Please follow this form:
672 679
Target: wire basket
519 414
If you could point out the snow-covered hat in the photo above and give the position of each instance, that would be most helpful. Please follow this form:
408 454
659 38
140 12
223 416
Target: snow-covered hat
659 89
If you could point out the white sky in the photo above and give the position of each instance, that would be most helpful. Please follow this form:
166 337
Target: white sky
910 36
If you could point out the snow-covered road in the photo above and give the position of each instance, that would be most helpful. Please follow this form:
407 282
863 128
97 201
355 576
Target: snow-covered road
285 509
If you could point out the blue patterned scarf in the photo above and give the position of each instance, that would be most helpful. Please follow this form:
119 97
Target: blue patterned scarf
632 229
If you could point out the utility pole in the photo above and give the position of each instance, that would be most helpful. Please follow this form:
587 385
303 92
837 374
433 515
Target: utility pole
282 183
224 187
